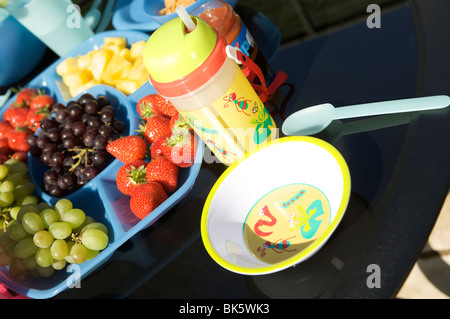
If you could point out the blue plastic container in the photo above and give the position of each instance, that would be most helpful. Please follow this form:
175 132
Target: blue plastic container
20 50
100 198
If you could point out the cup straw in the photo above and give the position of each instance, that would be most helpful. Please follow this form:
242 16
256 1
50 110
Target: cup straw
186 18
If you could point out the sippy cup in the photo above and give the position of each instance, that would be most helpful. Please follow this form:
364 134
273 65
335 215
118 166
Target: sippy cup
188 64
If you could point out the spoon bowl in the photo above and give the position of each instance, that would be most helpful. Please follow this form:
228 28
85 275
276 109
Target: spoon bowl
310 120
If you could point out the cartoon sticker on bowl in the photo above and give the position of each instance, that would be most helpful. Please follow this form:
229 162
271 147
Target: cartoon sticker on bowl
307 220
285 221
278 247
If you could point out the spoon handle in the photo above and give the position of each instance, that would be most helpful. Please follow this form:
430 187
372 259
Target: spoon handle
395 106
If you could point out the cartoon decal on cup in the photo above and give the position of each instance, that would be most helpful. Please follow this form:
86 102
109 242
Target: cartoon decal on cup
285 221
262 125
240 103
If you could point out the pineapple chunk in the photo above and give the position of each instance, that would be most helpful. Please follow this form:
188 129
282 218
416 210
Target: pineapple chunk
67 66
77 78
99 61
113 64
113 71
75 90
125 72
126 54
119 41
112 47
127 86
138 72
84 61
137 49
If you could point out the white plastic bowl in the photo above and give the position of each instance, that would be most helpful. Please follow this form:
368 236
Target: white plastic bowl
276 207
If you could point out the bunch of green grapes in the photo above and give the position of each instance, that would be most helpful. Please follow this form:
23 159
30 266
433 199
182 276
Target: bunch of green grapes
39 238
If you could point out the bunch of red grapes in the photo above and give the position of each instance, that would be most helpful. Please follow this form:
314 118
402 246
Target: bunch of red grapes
72 143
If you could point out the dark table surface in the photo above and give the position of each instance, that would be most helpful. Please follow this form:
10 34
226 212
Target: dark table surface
399 165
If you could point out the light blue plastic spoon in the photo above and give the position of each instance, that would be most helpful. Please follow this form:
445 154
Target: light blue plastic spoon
314 119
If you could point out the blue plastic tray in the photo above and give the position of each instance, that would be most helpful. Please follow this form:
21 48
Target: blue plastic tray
100 198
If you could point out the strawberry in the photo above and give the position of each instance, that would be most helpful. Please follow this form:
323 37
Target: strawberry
156 148
5 129
42 100
130 176
179 125
164 172
146 107
145 198
15 116
180 149
164 106
156 127
17 139
34 117
24 96
4 147
128 148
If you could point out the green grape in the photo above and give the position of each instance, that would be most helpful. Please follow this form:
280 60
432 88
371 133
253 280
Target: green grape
49 216
96 225
94 239
59 264
5 259
5 239
88 220
30 262
44 257
10 248
14 212
23 190
27 200
3 171
43 205
17 232
26 209
6 198
16 166
75 217
16 178
92 253
60 230
70 243
45 271
25 248
7 186
59 249
78 254
43 239
17 268
62 206
32 223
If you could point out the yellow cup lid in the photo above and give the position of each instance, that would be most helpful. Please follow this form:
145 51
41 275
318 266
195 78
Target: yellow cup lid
172 52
